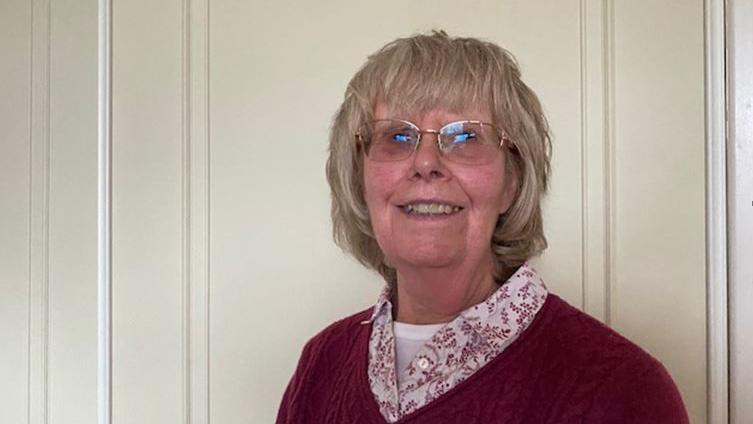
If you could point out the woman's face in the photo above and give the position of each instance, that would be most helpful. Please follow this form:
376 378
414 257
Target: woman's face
477 194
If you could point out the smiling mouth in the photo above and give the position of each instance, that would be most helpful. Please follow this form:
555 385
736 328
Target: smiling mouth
430 209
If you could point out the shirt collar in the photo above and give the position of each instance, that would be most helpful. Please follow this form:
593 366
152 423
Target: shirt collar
383 307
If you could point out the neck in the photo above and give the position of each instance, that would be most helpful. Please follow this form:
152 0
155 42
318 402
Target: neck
433 296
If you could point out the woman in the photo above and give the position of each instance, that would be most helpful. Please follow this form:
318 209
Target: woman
439 157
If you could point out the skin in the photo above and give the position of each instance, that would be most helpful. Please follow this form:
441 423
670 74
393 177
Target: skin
444 263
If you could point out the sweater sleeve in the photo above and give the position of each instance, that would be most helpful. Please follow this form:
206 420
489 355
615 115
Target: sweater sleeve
643 393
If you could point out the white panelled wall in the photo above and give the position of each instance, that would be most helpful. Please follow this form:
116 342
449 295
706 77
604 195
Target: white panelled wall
222 259
48 211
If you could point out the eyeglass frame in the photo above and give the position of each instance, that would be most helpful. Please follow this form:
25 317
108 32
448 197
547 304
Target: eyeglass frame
504 139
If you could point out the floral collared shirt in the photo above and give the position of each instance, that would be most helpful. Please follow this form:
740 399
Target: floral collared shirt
456 351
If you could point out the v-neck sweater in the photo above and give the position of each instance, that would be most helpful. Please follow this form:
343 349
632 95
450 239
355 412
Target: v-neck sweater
566 367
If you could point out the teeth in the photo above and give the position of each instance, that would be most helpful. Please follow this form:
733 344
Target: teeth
431 208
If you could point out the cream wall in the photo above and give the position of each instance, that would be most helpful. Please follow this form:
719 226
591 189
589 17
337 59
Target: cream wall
222 260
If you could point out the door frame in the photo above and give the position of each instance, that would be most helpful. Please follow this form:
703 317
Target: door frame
716 213
740 206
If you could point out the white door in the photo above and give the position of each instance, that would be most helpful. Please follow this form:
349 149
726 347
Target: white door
222 260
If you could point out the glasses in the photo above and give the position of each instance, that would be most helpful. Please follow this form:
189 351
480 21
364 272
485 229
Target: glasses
465 142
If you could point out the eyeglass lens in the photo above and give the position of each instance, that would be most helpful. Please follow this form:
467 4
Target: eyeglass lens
463 141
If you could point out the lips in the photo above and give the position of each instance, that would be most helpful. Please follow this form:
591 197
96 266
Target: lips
430 208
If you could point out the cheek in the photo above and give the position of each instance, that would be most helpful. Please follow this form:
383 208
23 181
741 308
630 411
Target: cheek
488 194
486 188
509 189
508 196
379 182
370 187
376 196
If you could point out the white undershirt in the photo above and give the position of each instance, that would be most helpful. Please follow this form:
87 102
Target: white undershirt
408 340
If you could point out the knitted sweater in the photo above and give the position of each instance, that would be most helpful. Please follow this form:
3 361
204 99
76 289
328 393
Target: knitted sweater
565 368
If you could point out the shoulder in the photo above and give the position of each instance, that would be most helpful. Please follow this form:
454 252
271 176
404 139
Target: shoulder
331 351
578 334
625 383
338 343
335 344
339 334
590 344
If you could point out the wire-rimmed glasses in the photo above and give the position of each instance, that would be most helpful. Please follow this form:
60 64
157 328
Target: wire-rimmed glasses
468 142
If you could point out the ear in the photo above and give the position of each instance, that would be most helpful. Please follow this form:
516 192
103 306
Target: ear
510 189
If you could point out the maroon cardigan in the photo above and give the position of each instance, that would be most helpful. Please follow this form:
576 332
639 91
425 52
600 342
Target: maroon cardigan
566 367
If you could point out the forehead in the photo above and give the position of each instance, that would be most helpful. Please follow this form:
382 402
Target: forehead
431 116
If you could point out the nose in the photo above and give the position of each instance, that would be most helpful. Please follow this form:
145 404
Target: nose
427 160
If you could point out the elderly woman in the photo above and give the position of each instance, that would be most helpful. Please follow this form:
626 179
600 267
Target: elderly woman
439 157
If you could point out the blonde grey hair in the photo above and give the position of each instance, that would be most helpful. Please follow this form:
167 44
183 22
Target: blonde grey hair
431 71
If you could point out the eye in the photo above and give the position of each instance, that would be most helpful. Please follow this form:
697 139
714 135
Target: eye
394 134
401 137
464 137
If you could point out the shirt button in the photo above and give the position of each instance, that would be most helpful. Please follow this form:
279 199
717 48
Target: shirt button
423 363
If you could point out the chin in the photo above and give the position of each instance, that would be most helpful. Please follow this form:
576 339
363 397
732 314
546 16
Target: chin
426 258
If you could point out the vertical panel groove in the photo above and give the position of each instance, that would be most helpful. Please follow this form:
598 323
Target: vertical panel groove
717 399
30 221
195 39
39 181
104 221
594 50
583 156
609 159
185 219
